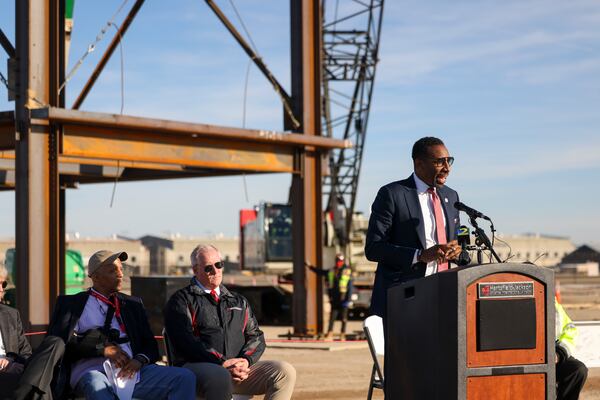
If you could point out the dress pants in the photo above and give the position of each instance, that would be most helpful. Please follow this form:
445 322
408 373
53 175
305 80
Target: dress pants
35 382
156 383
570 378
274 379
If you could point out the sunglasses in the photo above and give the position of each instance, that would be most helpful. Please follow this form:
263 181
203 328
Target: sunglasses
438 162
4 284
217 265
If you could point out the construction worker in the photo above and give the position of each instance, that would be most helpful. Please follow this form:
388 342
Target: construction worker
570 372
339 289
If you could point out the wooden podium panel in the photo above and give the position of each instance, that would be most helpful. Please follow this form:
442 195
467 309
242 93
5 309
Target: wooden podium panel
506 387
492 358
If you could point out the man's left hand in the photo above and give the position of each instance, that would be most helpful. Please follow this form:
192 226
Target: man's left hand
130 368
452 250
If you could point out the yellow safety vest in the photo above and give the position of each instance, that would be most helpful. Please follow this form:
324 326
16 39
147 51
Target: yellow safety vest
344 279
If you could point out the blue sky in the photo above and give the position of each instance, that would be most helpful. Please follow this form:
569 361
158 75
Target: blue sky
512 87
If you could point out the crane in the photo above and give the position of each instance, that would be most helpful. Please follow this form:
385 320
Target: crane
351 31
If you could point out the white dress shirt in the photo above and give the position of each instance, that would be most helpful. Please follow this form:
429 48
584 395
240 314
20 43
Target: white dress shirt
426 203
93 316
2 348
201 286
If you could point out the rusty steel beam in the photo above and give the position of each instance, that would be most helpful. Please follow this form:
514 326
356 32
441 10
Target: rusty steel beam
306 186
192 130
68 168
7 45
208 156
7 130
230 160
107 54
37 23
64 161
257 61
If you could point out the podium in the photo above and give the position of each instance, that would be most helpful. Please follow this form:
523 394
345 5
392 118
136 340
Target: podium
472 333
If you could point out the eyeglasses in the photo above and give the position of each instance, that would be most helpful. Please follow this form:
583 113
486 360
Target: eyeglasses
217 265
438 162
4 284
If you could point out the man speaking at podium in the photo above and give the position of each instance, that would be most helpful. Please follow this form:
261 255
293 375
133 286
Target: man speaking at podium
412 228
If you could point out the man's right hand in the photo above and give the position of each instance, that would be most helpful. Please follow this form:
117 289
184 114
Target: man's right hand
114 353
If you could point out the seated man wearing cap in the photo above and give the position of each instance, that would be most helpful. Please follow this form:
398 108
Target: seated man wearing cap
101 325
214 333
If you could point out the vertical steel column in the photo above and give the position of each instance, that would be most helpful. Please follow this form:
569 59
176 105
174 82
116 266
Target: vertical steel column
36 189
305 196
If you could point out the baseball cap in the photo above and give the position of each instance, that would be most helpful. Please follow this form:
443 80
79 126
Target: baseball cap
104 257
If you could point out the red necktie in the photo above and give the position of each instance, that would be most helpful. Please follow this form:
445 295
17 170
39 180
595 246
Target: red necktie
214 295
440 230
112 301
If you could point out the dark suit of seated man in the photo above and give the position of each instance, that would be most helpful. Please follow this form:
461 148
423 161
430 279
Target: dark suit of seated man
214 333
14 347
102 324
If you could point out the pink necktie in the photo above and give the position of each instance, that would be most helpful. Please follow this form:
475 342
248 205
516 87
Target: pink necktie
440 230
214 295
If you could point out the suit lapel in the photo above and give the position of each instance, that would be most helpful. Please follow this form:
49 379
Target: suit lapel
414 209
6 336
126 315
78 307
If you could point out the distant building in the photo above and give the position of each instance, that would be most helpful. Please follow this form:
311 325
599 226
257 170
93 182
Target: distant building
543 250
148 255
582 254
584 260
138 261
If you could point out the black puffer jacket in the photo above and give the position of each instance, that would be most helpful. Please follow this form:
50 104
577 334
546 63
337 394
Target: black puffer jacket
202 330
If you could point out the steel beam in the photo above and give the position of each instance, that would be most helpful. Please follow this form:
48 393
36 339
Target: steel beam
306 186
38 50
108 53
8 47
7 130
144 126
257 61
210 155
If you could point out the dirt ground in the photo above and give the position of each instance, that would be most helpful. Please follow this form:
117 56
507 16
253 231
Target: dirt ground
341 371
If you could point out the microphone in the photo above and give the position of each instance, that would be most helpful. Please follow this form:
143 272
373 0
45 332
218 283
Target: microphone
471 212
463 237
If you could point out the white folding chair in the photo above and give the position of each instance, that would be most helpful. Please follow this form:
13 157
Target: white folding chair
373 328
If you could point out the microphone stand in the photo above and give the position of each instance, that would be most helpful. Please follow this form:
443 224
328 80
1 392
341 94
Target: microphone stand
481 235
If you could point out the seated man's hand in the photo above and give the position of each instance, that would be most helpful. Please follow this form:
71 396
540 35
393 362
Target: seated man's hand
130 368
238 368
10 366
115 354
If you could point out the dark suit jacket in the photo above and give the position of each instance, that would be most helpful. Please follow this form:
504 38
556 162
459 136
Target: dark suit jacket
396 230
15 343
69 308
